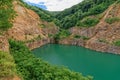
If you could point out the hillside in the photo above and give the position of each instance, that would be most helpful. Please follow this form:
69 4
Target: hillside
23 30
73 16
28 26
103 36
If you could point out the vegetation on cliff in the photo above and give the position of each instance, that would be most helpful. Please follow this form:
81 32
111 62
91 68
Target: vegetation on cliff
7 14
43 14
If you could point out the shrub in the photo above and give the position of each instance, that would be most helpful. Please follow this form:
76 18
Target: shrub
85 37
117 43
112 20
81 37
7 65
62 34
88 22
77 36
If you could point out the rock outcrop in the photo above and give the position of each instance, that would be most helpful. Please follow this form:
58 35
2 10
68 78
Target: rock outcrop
28 27
37 43
102 36
71 41
25 25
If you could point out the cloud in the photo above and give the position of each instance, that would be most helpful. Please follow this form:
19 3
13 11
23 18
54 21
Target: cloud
55 5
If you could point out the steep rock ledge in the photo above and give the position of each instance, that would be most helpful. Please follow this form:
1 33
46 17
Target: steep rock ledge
103 47
68 41
102 36
37 43
25 25
28 27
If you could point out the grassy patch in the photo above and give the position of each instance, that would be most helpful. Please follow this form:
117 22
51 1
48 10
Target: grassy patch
112 20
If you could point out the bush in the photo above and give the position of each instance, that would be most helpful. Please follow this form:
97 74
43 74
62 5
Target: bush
62 34
77 36
82 37
117 43
112 20
88 22
7 65
32 68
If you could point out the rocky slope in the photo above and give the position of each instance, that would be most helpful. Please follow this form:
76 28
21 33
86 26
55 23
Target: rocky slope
29 28
102 36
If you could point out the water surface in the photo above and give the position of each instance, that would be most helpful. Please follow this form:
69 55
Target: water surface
102 66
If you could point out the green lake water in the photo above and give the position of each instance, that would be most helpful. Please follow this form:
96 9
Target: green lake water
102 66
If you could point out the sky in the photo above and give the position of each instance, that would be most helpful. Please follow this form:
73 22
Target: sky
54 5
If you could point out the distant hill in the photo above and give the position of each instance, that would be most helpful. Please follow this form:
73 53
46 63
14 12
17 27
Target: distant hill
73 16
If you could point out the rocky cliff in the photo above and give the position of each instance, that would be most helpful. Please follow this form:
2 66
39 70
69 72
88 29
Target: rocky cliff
25 25
29 28
102 36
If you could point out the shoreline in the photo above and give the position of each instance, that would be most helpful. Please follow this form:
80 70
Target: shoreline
100 47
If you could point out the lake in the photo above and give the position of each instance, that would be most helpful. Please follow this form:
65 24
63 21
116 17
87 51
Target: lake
102 66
